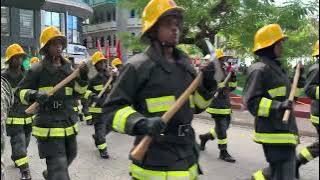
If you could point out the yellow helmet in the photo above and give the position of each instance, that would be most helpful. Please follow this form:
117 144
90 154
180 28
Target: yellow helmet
116 62
97 57
154 10
316 49
219 53
14 50
50 33
34 60
267 36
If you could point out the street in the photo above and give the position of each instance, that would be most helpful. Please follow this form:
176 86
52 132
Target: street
89 166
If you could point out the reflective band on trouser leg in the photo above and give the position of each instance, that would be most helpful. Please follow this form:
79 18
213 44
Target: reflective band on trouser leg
264 107
200 102
280 91
87 94
272 138
21 161
98 87
144 174
22 95
79 89
317 92
120 118
95 110
87 118
232 84
315 119
213 133
259 175
55 132
160 104
102 146
222 141
306 154
218 111
19 121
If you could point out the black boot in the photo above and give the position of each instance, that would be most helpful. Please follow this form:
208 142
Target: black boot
224 155
299 161
104 153
94 140
204 138
45 174
25 174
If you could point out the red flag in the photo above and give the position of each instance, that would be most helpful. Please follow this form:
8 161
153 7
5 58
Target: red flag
108 53
99 45
118 49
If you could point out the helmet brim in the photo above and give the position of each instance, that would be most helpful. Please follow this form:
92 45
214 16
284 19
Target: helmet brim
63 39
19 54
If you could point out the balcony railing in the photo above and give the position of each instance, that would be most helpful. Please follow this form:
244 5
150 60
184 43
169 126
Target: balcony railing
106 26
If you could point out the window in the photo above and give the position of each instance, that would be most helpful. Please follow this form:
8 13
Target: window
109 40
5 21
52 19
85 43
133 34
26 23
132 13
114 14
114 40
73 30
102 42
108 16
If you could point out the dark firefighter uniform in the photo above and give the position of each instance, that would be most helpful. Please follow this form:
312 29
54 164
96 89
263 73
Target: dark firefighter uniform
18 123
56 121
312 90
220 110
96 85
266 88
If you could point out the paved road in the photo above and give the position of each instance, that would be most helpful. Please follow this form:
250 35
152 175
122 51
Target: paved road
88 165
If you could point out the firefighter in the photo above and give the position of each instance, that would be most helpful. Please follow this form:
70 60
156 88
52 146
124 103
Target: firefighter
220 110
96 84
56 122
34 60
266 95
18 123
117 64
148 86
311 90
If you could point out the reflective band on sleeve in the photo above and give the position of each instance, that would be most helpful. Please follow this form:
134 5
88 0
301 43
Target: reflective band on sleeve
259 175
264 107
140 173
95 110
102 146
299 92
317 92
191 101
79 89
21 161
200 102
280 91
315 119
232 84
87 94
87 118
55 132
222 141
19 121
306 154
22 95
160 104
98 87
213 132
120 118
69 91
221 85
45 89
272 138
218 111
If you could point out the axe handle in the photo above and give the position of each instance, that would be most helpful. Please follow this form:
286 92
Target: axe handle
31 109
103 90
292 93
224 84
140 150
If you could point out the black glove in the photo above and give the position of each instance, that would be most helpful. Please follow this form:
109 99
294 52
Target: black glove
95 98
39 96
287 104
208 77
151 126
84 70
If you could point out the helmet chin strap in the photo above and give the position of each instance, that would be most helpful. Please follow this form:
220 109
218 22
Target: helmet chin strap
166 45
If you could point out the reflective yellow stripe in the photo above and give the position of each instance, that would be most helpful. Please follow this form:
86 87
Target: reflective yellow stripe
69 91
232 84
76 109
258 175
315 119
102 146
222 141
280 91
22 95
120 118
87 118
79 89
20 121
317 92
87 94
306 154
21 161
213 132
140 173
191 101
200 102
55 132
98 87
299 92
218 111
273 138
95 110
221 85
264 107
160 104
45 89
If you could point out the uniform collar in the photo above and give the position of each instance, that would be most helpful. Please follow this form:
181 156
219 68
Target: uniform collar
276 66
65 67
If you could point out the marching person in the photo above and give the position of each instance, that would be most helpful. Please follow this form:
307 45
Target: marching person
312 91
148 86
34 60
117 63
96 84
220 110
56 123
266 95
18 123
